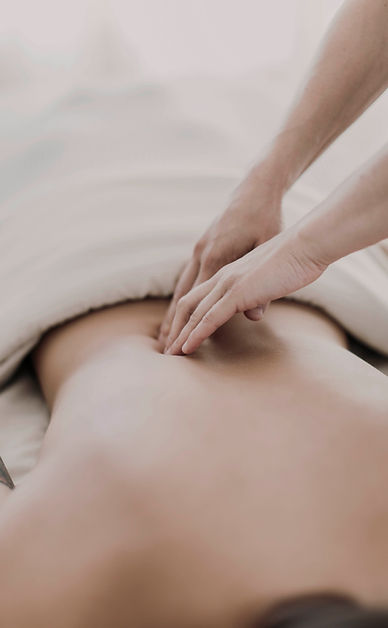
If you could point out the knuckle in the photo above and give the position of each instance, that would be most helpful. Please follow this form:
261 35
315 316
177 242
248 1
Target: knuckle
209 317
181 307
174 303
182 303
221 274
210 258
231 280
185 308
198 248
235 290
225 283
194 317
231 277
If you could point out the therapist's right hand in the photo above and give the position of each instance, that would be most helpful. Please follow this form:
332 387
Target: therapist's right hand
252 217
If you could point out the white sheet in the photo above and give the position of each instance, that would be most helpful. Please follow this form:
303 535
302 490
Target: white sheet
103 196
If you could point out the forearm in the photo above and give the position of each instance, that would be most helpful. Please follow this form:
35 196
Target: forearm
353 217
348 74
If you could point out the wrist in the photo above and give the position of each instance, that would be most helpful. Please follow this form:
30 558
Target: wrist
266 177
288 155
308 243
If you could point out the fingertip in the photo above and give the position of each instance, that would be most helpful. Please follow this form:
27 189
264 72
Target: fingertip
185 347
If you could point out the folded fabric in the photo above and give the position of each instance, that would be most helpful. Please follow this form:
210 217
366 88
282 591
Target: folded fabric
105 197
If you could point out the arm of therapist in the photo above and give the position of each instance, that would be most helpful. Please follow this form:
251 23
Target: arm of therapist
353 217
348 74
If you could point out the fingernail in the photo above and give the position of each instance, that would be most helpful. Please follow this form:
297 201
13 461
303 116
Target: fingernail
184 347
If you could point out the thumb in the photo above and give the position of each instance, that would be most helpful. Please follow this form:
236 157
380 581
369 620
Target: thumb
256 314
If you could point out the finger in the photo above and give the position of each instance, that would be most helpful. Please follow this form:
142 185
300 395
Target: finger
255 314
219 314
196 316
183 286
186 305
206 271
202 276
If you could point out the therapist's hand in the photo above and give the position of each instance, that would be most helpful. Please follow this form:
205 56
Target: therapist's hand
271 271
252 217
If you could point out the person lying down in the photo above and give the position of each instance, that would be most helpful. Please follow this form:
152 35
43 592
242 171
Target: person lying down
242 486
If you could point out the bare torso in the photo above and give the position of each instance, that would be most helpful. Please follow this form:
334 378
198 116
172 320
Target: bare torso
254 469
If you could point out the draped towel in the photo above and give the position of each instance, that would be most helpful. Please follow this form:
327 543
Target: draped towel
103 198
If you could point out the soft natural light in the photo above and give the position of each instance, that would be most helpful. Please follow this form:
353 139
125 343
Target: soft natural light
169 37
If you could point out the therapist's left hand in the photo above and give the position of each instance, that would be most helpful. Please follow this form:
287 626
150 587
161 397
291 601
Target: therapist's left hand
271 271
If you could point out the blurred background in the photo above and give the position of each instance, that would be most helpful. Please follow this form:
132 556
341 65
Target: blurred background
163 38
259 49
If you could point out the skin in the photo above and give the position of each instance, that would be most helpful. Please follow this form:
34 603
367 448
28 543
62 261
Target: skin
195 492
4 493
225 275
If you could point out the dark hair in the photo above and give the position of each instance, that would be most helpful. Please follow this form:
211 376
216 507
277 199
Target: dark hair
322 611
